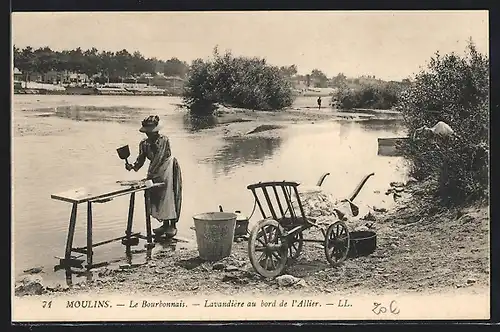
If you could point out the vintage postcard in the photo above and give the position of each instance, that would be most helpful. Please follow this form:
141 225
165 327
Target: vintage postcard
227 166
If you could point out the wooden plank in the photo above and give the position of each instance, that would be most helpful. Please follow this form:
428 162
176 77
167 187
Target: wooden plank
388 146
391 141
85 194
84 249
104 191
388 151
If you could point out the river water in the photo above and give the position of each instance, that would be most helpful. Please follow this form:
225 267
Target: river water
76 146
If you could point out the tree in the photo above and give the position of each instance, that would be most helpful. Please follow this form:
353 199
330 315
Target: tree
110 65
453 89
76 61
175 67
246 82
319 78
406 81
339 81
123 63
93 63
25 61
288 71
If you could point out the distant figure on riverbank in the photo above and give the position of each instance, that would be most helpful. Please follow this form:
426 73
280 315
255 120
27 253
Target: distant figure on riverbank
166 200
319 102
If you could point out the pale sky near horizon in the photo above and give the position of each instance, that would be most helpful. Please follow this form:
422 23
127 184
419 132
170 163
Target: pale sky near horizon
391 45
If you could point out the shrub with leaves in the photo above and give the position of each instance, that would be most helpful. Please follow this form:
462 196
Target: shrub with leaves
236 81
453 89
374 95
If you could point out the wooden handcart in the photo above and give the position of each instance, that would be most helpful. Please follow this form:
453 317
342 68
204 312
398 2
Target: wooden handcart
279 237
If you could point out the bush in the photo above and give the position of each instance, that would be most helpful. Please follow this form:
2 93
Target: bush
236 81
374 95
453 89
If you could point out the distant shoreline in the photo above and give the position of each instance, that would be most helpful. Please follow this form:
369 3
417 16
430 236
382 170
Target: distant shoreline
90 92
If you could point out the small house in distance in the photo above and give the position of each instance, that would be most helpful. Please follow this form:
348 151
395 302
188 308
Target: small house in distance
18 75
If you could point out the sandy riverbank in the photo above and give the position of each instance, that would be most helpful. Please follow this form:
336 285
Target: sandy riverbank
418 251
227 122
235 122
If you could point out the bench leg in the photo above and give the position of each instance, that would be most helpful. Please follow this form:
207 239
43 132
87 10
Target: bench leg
69 277
71 233
90 250
130 215
147 206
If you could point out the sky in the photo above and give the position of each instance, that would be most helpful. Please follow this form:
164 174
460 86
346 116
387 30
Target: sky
391 45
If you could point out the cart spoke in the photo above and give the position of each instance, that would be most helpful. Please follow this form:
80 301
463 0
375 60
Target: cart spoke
269 234
265 235
276 255
333 235
263 262
267 262
261 234
261 257
273 264
331 251
267 249
273 235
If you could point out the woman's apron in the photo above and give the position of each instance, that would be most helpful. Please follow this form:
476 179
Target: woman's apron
165 201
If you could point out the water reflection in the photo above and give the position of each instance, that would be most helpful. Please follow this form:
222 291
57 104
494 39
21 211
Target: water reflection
89 113
391 125
131 253
345 128
194 123
244 150
84 274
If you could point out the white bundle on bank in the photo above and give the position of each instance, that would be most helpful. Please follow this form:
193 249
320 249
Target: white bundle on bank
321 205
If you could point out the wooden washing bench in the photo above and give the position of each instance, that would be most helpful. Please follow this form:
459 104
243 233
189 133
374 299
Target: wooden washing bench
102 194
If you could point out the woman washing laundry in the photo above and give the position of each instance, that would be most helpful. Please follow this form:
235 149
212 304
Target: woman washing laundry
163 167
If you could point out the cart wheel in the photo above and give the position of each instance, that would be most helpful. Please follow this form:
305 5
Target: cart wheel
266 248
337 242
295 245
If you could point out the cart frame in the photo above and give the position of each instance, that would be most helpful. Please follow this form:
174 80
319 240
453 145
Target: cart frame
287 224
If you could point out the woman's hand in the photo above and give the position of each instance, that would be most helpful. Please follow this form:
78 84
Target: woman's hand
129 167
